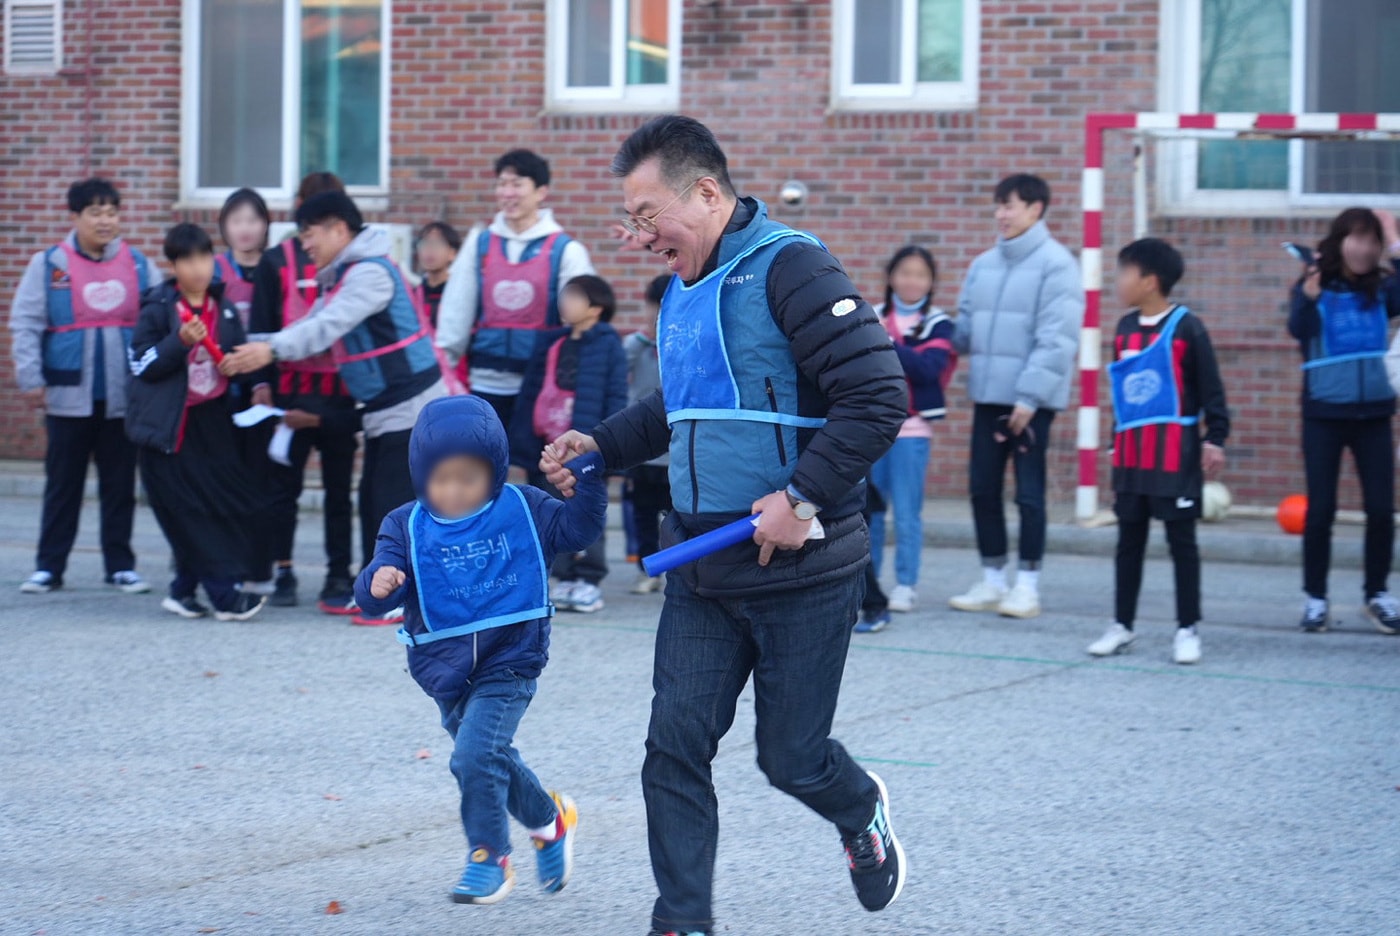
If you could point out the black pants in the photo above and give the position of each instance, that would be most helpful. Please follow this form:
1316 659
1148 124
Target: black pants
651 499
73 441
875 602
589 565
384 484
1134 525
503 405
337 448
986 478
1373 449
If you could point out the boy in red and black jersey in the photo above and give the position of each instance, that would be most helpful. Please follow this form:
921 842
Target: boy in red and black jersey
1170 426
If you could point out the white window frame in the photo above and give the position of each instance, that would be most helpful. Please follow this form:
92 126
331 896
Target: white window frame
618 96
47 68
1179 90
279 196
908 94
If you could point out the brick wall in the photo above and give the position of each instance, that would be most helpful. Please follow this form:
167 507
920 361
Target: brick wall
468 82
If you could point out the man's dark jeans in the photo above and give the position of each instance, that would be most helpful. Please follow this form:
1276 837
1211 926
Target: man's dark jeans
73 443
987 473
794 644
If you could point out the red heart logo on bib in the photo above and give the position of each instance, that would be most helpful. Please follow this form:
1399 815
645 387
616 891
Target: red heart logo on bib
104 297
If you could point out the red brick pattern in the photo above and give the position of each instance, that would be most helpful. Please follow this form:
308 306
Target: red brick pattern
468 82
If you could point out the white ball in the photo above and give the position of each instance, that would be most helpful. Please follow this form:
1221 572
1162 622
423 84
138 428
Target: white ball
1215 502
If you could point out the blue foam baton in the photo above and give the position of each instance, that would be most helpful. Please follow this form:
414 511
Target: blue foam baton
699 547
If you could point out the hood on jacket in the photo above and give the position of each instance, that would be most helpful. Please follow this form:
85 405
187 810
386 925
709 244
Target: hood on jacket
457 425
371 242
545 226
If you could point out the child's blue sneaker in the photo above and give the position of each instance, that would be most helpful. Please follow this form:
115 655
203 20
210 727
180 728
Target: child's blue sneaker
487 879
555 859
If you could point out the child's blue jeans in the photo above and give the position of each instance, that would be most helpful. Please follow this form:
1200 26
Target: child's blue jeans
899 477
494 781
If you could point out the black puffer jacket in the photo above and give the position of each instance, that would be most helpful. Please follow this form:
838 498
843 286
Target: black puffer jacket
849 374
159 362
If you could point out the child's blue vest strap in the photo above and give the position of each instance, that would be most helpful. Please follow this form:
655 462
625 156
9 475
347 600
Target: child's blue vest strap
1145 390
485 570
1354 328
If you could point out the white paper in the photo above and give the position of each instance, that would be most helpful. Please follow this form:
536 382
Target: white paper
255 414
279 449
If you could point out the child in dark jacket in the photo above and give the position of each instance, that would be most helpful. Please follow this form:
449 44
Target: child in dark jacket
180 416
576 379
469 563
923 339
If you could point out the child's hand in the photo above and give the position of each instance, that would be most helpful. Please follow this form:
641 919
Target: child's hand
387 580
1212 460
193 332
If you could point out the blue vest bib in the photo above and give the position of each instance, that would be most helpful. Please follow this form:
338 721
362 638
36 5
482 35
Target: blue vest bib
1354 328
368 375
697 371
1145 390
485 570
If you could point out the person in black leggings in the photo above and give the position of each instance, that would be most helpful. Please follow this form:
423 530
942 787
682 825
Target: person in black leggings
1339 314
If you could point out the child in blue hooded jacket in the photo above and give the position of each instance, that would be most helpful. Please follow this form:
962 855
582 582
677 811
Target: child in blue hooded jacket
469 562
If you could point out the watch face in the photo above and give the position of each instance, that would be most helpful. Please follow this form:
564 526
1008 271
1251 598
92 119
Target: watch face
805 511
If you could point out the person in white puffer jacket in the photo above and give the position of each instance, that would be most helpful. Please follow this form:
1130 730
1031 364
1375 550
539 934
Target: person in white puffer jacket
1019 319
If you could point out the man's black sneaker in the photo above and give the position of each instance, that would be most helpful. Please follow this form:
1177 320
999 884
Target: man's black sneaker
1384 612
244 606
284 590
875 857
186 606
1315 615
337 592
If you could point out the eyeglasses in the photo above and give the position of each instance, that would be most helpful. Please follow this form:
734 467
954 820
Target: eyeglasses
637 225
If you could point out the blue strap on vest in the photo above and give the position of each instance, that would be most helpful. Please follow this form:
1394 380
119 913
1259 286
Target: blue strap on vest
1145 391
478 572
1354 328
696 372
556 256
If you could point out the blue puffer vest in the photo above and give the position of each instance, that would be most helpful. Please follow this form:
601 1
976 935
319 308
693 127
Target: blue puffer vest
729 379
389 357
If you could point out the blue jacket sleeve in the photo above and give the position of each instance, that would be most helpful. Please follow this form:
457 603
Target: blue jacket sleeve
390 549
576 523
1304 323
1390 292
925 361
615 400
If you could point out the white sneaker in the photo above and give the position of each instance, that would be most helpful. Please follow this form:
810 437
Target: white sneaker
984 596
646 584
129 582
902 598
40 583
265 588
1117 639
559 594
1021 602
585 598
1186 646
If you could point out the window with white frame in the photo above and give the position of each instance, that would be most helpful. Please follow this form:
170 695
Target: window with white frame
33 36
274 89
1280 56
905 54
614 55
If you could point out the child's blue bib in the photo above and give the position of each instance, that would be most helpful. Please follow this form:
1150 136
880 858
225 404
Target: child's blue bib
482 571
1145 391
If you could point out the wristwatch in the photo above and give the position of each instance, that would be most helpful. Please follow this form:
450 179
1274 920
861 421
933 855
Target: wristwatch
805 510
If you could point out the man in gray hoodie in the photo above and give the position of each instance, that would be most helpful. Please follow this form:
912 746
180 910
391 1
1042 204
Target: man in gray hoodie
383 348
1019 318
70 325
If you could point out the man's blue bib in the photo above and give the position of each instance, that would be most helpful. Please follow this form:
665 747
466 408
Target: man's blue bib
1145 390
485 570
1354 328
697 373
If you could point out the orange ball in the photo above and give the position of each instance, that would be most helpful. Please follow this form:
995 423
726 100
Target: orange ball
1293 513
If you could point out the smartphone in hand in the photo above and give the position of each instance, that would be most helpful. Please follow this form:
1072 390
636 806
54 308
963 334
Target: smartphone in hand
1303 255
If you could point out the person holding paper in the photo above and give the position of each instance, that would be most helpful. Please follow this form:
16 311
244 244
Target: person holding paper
779 388
366 316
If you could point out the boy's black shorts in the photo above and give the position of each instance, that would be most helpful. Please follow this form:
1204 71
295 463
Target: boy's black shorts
1137 508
